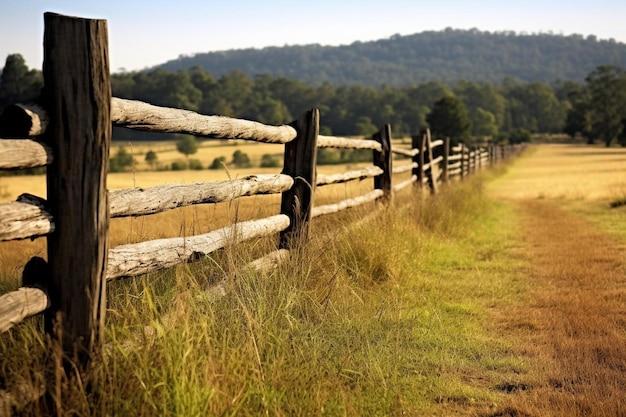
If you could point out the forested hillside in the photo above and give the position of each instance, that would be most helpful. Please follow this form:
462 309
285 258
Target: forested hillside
472 111
446 56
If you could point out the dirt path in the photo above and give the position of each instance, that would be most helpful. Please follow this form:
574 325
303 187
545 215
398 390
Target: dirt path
572 327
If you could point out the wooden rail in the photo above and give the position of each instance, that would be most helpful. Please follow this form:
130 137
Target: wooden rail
75 122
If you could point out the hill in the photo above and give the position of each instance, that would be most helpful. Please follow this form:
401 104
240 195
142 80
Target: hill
447 56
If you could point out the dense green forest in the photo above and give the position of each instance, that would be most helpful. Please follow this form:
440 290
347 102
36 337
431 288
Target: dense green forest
446 56
595 109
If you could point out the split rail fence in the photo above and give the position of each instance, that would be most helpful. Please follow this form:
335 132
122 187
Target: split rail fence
70 133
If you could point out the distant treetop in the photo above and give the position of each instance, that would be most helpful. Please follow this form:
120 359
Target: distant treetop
445 56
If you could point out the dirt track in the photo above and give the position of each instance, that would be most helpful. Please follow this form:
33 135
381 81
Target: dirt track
571 330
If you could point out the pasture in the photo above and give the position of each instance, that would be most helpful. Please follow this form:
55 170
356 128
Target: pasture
434 307
566 172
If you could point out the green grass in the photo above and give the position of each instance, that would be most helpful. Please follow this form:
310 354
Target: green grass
389 317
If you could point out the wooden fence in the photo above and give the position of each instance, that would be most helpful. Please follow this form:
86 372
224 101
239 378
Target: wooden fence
70 133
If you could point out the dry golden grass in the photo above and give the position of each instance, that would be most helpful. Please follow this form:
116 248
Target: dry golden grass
180 222
571 328
207 151
565 171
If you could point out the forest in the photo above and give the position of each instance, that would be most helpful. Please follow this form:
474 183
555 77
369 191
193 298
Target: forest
446 56
595 109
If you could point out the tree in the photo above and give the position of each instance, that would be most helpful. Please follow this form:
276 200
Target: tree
485 104
241 159
364 126
579 116
121 160
17 82
218 163
187 145
520 136
534 107
448 118
151 158
268 161
484 123
607 99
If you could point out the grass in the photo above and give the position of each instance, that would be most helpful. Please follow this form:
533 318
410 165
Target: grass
586 180
384 318
570 324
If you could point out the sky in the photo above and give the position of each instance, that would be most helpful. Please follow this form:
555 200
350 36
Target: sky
146 33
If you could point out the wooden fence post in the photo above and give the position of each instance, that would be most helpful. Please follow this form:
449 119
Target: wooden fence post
463 163
432 180
446 156
384 161
417 143
77 95
300 163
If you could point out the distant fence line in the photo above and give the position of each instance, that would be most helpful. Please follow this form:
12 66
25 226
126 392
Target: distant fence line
75 121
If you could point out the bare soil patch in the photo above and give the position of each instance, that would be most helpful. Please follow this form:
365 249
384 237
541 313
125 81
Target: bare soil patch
572 326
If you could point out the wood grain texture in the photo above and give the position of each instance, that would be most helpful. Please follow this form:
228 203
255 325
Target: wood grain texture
143 116
145 257
357 174
23 121
348 203
138 115
347 143
23 153
383 159
16 306
140 201
433 171
78 100
300 163
25 218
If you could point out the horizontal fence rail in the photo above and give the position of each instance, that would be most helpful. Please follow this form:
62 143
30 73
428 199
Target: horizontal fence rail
138 115
70 135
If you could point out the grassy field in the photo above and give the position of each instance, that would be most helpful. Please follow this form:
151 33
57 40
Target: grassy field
586 180
570 331
379 319
566 172
424 309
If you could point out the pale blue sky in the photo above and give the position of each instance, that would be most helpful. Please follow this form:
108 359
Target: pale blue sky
146 33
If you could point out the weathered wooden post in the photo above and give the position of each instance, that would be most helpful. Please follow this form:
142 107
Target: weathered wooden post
384 161
446 156
300 163
463 162
77 95
417 143
432 170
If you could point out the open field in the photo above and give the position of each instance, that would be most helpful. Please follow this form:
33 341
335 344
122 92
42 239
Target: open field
570 329
481 301
569 172
379 319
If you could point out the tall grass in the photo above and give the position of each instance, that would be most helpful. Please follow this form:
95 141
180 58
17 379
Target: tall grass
383 318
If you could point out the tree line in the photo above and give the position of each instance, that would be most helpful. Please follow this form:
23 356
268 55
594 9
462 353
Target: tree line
595 109
448 56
